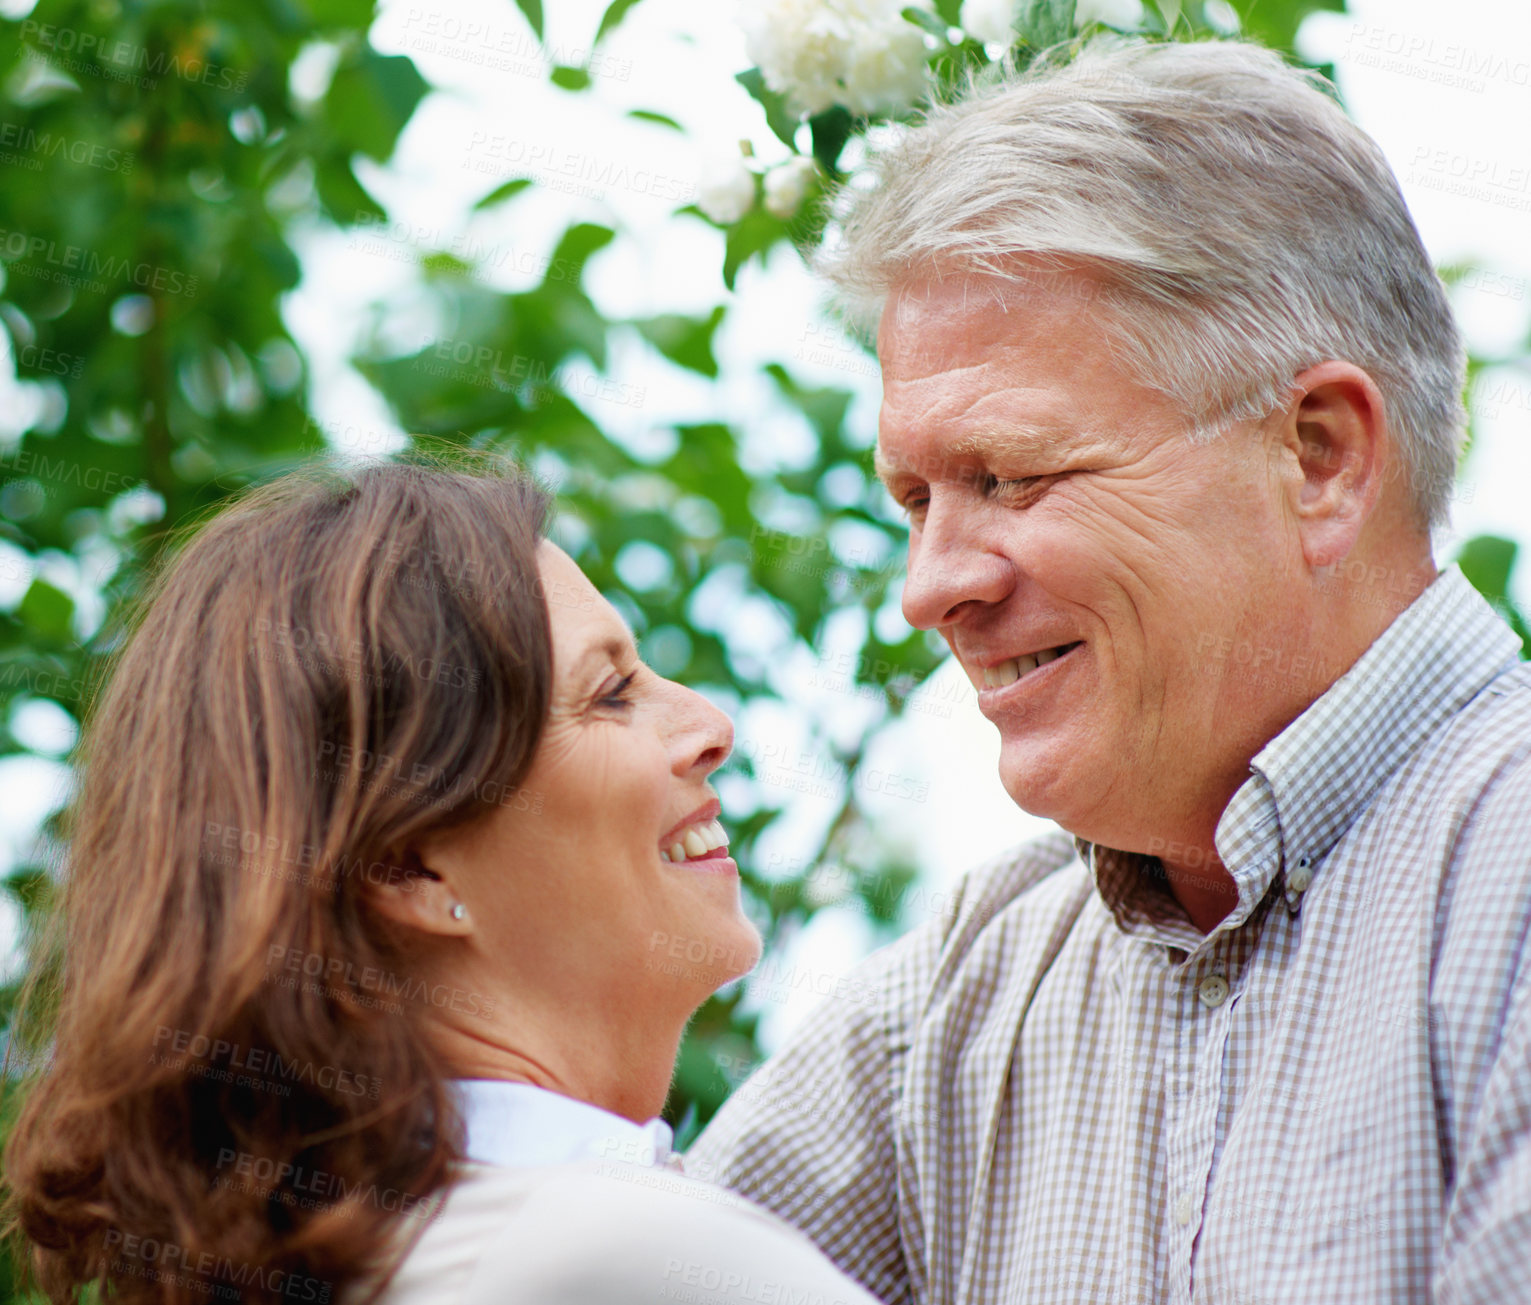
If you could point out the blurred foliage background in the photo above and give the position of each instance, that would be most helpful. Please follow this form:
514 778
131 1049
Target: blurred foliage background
156 158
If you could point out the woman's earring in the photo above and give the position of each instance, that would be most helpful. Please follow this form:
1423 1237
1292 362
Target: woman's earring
458 910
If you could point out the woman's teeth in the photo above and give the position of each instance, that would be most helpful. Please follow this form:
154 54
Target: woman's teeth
996 677
698 840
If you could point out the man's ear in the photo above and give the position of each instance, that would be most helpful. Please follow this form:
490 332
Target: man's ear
1335 431
416 897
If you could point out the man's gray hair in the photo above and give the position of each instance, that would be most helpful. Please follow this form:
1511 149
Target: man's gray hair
1243 229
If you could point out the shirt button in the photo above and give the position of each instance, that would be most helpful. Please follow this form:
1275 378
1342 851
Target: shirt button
1213 991
1185 1207
1301 878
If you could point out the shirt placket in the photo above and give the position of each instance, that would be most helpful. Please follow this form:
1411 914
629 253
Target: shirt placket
1203 998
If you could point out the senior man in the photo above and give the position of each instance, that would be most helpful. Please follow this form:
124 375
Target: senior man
1172 399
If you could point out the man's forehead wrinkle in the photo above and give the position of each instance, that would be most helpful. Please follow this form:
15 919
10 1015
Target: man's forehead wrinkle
987 290
945 409
962 346
975 422
972 292
944 369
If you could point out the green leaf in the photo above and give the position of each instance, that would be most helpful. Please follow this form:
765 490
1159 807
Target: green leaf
779 116
439 263
953 67
1043 23
1488 561
508 190
344 198
926 20
685 340
950 11
371 98
533 11
616 11
750 237
356 14
1275 22
823 406
648 115
569 78
831 129
575 247
47 610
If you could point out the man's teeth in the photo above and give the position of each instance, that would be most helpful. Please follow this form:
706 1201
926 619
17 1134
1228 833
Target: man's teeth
996 677
698 840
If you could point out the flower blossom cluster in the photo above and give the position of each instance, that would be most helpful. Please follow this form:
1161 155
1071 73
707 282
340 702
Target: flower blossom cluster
993 21
863 54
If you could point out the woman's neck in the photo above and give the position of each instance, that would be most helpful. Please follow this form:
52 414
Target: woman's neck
625 1074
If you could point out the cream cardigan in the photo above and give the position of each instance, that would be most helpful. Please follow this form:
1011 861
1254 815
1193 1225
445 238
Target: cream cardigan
563 1203
608 1232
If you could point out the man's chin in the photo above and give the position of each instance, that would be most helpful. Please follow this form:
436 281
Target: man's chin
1047 783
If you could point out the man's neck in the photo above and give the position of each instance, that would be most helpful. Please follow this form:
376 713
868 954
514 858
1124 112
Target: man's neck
1198 879
1206 891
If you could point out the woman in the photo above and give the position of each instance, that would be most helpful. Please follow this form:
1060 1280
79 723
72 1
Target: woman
393 880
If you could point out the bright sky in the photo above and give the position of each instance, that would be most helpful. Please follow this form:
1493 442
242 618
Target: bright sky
1446 90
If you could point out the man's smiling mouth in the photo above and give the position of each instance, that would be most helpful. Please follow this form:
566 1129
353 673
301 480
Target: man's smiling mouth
1007 672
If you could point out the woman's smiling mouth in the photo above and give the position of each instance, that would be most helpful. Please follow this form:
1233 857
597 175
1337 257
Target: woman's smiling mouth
696 842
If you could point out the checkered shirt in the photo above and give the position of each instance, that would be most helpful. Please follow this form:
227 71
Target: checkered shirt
1061 1091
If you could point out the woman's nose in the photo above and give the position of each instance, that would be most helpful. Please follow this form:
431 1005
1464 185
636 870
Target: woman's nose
704 734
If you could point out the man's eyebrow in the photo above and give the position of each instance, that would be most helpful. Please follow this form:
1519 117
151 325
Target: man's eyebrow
1018 437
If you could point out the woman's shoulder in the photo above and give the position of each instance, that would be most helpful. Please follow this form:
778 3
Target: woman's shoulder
594 1232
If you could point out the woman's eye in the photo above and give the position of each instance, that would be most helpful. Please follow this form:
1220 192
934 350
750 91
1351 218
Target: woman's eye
617 696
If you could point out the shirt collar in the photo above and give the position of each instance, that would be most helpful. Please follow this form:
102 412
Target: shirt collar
521 1124
1311 782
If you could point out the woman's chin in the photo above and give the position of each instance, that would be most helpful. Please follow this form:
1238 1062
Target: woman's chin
703 960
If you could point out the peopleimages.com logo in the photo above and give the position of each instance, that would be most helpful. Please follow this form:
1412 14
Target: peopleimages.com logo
72 49
93 270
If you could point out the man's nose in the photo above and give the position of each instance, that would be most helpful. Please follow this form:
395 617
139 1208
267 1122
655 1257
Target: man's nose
949 568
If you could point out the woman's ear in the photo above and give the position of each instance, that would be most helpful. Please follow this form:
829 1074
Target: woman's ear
416 896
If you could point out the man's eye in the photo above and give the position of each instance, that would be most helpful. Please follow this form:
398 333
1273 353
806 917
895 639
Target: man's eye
1021 489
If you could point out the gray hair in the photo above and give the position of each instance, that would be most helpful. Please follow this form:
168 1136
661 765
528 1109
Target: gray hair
1243 229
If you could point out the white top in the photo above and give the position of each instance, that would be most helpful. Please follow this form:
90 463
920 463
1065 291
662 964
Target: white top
520 1124
563 1203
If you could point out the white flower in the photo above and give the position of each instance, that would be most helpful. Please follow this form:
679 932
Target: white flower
860 53
726 191
786 186
989 21
1114 13
800 47
887 67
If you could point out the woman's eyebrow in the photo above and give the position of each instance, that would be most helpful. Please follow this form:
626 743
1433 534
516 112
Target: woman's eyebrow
613 647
